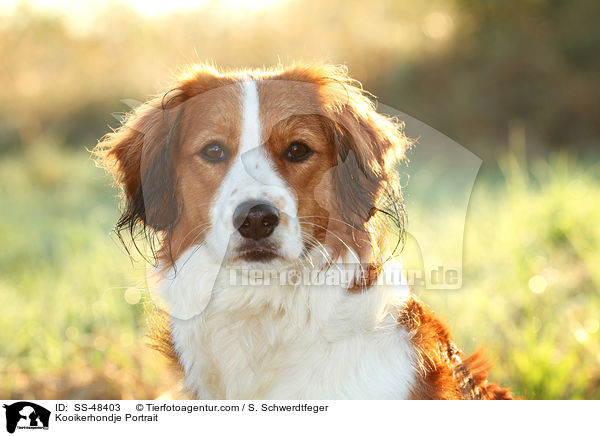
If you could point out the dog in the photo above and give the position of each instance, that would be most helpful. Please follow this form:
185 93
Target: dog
281 172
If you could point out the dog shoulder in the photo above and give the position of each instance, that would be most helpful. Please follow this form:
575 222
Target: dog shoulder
442 372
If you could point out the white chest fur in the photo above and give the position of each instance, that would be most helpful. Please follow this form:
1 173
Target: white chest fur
291 342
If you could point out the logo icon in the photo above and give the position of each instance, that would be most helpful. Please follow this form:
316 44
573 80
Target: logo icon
26 415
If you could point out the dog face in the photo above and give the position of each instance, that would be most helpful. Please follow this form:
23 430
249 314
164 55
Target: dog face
259 180
257 166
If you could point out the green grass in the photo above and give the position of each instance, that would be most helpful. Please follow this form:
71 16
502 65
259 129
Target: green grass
541 223
66 329
65 326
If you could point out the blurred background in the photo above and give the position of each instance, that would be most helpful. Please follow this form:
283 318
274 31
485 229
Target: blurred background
515 83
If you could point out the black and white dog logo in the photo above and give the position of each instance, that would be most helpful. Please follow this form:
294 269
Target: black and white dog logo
26 415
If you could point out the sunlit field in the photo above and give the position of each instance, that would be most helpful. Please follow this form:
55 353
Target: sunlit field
518 87
67 329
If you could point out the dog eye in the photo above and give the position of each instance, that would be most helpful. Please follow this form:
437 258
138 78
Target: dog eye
213 152
297 152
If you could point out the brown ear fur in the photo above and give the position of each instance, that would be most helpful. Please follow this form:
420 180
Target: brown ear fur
363 175
141 154
368 146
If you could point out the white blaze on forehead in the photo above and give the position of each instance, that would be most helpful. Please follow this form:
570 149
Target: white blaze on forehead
251 128
251 154
253 164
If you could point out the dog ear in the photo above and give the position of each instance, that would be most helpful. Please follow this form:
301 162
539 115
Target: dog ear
368 146
141 155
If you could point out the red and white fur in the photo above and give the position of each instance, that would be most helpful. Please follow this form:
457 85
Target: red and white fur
308 142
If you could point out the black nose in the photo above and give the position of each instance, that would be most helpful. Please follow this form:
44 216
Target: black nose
255 220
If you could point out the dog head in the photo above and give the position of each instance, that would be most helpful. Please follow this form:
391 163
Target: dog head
260 167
